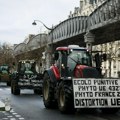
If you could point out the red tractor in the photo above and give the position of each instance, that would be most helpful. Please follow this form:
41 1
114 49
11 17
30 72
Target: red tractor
70 62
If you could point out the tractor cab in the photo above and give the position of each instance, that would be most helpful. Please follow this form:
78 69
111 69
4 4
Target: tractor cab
72 80
68 58
4 69
5 75
26 66
26 77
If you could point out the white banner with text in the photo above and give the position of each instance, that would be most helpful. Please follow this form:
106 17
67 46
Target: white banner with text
96 93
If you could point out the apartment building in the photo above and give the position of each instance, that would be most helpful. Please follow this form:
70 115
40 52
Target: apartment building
86 7
111 67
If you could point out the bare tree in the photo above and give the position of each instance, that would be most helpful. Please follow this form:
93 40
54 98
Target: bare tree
6 54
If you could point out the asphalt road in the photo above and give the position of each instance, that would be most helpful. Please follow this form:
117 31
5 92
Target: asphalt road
29 106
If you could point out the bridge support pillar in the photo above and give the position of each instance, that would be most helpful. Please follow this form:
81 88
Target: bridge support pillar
89 39
48 56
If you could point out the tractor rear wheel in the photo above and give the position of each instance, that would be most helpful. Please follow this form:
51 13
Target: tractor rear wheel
65 97
9 83
48 92
14 88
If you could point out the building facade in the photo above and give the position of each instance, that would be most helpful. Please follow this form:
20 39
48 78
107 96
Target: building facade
86 7
111 67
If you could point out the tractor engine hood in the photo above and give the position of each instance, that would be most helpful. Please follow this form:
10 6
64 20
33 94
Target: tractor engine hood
83 71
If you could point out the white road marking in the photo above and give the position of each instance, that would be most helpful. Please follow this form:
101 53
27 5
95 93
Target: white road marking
9 116
12 115
12 119
12 111
21 118
17 115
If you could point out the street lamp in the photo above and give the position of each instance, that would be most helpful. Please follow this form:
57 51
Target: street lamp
34 23
51 29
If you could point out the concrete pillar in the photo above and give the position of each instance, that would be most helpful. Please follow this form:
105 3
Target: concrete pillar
89 39
48 56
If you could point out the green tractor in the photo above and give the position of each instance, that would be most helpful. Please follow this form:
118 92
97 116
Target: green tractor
26 77
5 75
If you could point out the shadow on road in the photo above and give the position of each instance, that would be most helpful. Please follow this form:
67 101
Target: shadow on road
83 114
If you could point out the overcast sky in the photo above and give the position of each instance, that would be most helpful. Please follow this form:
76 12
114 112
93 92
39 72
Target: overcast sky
16 17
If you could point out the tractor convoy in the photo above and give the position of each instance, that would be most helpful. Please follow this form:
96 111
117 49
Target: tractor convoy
73 82
26 77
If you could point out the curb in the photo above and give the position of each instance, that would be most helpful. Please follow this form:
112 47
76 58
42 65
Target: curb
2 106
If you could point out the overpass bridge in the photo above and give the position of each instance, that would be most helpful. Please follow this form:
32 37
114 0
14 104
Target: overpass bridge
104 23
102 26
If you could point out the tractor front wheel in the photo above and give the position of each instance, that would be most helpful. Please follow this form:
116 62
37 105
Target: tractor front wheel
48 92
65 97
14 88
9 83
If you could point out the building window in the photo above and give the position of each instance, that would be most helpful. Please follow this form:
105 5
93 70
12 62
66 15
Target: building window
119 53
114 64
119 74
93 1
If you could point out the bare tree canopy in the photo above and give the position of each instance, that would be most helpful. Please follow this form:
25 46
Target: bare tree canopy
6 54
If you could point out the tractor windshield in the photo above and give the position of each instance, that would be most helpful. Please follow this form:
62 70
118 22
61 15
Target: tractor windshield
79 56
27 66
4 69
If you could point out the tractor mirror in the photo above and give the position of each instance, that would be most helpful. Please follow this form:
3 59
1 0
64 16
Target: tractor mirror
40 64
56 56
13 63
98 60
104 57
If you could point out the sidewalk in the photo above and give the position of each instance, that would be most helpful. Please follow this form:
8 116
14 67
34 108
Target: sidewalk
2 106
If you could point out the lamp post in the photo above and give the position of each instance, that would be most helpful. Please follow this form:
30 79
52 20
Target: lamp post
34 23
51 29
